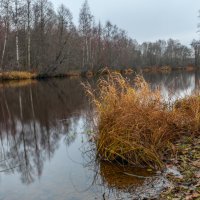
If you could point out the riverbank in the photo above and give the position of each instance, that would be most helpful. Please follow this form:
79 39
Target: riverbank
137 127
167 69
185 186
25 75
21 75
17 75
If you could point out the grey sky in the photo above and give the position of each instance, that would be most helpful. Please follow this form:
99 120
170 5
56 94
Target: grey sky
145 20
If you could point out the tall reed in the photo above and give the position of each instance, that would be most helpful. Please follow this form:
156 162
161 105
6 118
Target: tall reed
136 125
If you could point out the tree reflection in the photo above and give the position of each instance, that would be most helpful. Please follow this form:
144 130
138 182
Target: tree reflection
33 120
35 117
175 84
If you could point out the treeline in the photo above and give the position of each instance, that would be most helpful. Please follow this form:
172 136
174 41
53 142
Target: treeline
35 36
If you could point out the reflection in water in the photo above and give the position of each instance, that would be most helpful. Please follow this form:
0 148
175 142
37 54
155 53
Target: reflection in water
43 148
175 85
31 124
117 176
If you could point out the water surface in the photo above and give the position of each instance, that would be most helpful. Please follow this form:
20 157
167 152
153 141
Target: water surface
45 152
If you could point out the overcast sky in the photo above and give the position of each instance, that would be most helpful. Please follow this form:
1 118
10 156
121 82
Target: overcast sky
145 20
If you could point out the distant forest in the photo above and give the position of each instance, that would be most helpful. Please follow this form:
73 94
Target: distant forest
35 36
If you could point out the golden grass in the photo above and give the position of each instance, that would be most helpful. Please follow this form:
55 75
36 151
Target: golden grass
17 75
136 125
128 71
188 109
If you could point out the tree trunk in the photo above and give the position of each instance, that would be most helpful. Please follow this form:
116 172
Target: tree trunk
16 33
4 45
17 49
87 52
29 36
83 61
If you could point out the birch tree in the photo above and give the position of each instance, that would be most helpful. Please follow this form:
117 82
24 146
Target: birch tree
85 26
16 24
5 12
28 2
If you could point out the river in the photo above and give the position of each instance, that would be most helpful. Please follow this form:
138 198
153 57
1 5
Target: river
46 152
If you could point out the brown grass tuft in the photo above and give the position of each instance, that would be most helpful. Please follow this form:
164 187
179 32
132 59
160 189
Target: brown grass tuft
136 125
189 113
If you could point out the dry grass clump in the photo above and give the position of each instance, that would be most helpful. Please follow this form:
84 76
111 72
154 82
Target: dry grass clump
128 71
135 124
16 75
189 113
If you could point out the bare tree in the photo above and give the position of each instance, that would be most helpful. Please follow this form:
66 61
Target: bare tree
16 23
29 32
35 36
196 46
85 27
5 10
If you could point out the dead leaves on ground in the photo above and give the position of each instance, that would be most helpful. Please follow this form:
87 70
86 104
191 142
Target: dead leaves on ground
188 162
